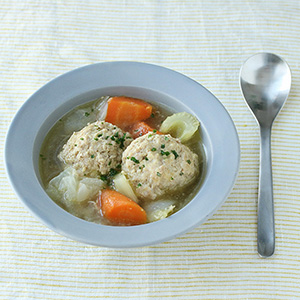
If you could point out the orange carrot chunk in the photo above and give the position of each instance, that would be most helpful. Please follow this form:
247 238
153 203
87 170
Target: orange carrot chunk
124 111
141 128
120 210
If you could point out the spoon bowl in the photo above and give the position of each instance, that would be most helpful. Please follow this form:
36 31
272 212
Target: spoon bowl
265 81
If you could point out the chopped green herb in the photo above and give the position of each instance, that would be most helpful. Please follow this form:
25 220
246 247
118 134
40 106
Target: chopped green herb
139 185
92 156
128 137
153 149
96 139
120 140
128 157
136 130
166 153
135 160
99 135
75 145
152 115
181 173
112 172
107 137
103 177
163 146
188 161
118 166
82 139
172 178
146 158
154 130
175 153
84 174
112 138
86 114
166 138
109 163
149 135
158 174
110 144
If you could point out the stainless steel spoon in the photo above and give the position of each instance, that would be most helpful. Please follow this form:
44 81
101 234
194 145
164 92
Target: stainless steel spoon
265 81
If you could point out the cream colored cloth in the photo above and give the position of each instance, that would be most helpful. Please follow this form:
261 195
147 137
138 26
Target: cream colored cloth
208 41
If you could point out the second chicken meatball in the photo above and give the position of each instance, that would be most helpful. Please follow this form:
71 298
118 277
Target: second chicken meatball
156 164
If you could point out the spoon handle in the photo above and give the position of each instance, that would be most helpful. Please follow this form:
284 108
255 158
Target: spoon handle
265 210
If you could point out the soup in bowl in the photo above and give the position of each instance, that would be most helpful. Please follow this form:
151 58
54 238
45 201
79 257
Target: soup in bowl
122 161
122 154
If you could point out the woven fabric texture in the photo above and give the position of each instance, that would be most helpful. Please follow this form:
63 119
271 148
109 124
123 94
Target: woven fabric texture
207 41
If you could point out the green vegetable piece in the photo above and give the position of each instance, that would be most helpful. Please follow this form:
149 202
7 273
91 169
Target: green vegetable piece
181 125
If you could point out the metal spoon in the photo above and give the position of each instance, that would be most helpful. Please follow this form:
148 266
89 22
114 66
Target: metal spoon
265 81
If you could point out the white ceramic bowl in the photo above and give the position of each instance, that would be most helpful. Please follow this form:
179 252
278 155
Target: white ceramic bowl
140 80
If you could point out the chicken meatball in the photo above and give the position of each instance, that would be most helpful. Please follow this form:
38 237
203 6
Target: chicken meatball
95 149
156 164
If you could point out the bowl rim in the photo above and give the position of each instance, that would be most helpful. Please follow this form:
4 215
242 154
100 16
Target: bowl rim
223 168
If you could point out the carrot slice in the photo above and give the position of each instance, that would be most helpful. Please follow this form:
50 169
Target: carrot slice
141 128
120 210
124 111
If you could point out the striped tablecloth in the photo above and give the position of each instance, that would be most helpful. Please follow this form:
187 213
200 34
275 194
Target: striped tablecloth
208 41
